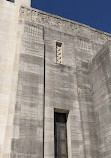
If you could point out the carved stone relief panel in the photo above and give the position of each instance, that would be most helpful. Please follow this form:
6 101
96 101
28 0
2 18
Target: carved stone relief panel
84 44
33 32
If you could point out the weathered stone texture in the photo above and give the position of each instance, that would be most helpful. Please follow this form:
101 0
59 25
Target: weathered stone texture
67 86
86 110
61 92
100 72
28 121
33 85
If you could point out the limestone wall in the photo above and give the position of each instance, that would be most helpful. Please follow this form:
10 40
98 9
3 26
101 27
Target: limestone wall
27 140
31 80
61 93
9 48
100 69
67 86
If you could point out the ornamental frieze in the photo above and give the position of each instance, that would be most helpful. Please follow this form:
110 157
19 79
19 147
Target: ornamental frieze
63 25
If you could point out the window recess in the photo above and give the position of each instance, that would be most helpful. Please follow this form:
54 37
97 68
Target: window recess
60 135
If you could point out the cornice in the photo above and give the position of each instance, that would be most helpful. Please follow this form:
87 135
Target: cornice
63 25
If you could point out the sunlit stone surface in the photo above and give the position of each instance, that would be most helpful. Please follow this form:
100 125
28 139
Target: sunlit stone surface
39 77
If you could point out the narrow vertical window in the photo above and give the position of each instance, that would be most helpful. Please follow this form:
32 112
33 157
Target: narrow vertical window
60 134
59 52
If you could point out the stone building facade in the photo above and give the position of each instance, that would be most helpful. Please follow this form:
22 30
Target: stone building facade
55 85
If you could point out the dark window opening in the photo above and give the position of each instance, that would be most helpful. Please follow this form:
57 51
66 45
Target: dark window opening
11 1
60 134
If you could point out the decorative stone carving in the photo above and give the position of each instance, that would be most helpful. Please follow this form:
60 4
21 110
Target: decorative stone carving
83 43
32 30
63 25
59 52
22 12
34 15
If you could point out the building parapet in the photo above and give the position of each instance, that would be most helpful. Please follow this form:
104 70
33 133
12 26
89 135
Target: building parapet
63 25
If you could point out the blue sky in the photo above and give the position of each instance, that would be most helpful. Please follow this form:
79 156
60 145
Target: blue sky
95 13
